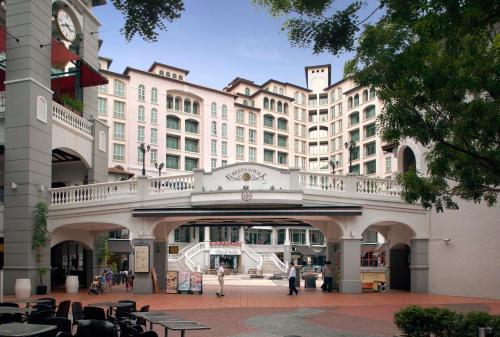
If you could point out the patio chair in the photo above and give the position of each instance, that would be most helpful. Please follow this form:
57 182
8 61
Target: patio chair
142 321
94 313
39 316
10 318
76 312
63 324
123 312
8 304
149 333
49 301
92 328
63 309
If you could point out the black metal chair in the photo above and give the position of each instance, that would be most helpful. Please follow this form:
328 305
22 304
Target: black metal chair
92 328
123 312
63 324
94 313
8 304
49 301
39 316
10 318
134 305
76 312
129 330
63 309
149 333
142 321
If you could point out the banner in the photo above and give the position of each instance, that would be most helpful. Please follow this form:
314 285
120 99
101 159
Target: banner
196 281
184 283
225 248
172 278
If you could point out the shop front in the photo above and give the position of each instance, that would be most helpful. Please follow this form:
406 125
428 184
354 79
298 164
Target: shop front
228 253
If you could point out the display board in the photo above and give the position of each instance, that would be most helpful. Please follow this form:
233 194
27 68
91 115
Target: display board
196 280
184 281
141 258
172 278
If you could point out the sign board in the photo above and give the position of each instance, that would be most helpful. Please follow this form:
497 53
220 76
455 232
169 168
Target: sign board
141 258
173 249
172 278
196 281
184 283
225 248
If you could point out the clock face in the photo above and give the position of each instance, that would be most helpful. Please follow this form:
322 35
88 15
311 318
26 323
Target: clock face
65 25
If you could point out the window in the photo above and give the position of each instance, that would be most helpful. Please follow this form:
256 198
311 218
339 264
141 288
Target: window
316 238
213 163
268 121
172 142
154 136
355 153
214 109
365 95
196 108
355 169
275 89
224 130
213 147
173 123
177 105
370 149
172 162
282 158
252 119
167 74
371 167
280 91
268 138
118 109
161 72
282 124
388 163
191 145
349 102
119 152
280 106
190 164
354 135
118 88
298 236
187 105
224 112
154 116
118 131
240 134
102 89
282 141
370 130
372 93
154 95
252 154
356 100
140 158
224 148
170 102
266 103
271 105
191 126
140 133
240 152
252 136
354 118
180 77
141 114
239 117
214 128
268 156
370 112
153 156
247 91
174 75
102 106
323 99
141 93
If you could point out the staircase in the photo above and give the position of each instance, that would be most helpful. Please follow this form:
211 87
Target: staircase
271 264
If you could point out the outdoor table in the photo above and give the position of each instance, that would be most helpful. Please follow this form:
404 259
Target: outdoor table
23 329
31 300
182 326
155 317
110 305
13 310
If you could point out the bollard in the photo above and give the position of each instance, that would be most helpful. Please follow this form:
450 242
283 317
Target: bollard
485 332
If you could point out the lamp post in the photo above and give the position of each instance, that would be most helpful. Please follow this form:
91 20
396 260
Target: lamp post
350 146
334 165
144 149
159 167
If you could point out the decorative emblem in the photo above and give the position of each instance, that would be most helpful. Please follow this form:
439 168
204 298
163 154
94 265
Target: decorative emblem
246 195
246 174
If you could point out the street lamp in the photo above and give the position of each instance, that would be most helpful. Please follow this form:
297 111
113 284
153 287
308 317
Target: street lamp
159 167
144 149
334 165
350 146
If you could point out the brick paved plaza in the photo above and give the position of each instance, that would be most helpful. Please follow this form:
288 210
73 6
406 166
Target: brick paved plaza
253 310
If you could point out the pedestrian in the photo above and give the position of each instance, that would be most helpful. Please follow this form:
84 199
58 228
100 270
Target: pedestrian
220 277
327 277
291 279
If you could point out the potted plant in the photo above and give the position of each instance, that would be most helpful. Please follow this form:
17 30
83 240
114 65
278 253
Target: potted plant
72 104
39 241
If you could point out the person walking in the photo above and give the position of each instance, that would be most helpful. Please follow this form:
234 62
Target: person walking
291 280
327 277
220 277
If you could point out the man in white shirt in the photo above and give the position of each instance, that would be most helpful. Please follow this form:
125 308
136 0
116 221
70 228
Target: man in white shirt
220 277
291 280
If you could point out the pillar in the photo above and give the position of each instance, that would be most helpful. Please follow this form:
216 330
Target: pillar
197 234
241 234
332 247
191 234
287 249
28 136
274 236
287 236
142 281
388 265
161 261
207 234
350 266
419 265
308 238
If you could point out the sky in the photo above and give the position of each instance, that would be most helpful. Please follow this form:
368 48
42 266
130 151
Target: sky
217 40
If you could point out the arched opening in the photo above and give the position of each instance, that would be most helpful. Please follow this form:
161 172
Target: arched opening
70 258
68 168
409 161
400 275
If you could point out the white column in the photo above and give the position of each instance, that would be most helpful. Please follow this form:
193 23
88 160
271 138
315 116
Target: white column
308 239
171 238
241 234
287 236
197 234
350 266
191 234
207 234
274 236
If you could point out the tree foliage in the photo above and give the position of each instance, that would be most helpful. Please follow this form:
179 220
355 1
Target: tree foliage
435 64
143 17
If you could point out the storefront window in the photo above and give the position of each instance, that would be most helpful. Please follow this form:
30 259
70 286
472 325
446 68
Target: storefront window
298 236
258 236
281 236
316 237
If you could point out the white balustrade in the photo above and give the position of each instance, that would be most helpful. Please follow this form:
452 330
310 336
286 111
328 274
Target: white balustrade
253 255
69 118
377 186
167 184
192 252
323 181
76 195
277 262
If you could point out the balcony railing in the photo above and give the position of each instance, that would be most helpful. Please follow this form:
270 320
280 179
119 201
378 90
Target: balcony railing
69 119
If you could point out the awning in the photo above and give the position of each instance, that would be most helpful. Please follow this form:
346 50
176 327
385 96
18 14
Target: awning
61 55
90 77
63 85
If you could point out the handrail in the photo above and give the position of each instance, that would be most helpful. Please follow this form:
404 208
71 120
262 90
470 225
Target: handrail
95 192
252 254
161 185
272 257
190 253
69 118
379 186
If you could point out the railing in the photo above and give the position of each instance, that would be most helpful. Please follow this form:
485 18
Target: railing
323 181
96 192
253 255
277 262
166 184
69 118
2 101
377 186
192 252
